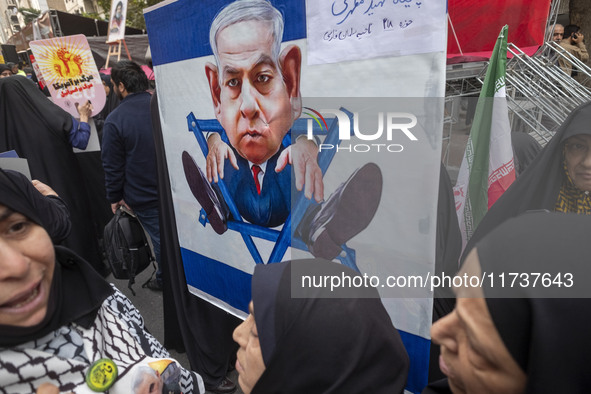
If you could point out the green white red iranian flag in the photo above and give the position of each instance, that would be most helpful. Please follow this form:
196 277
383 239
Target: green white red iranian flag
487 168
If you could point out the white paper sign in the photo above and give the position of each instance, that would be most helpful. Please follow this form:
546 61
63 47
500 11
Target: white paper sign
344 30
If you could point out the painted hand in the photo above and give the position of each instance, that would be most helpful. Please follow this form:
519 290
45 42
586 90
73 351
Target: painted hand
218 152
303 156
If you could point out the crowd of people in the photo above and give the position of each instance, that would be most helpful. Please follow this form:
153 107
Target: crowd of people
9 69
64 328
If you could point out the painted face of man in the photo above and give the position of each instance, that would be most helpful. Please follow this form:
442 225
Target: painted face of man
253 95
151 384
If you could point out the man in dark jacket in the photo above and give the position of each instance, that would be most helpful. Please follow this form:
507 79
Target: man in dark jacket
129 156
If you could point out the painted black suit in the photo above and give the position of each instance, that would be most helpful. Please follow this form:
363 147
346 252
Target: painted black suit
272 207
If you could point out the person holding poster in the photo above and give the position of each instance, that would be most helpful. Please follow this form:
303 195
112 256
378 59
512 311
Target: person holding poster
255 91
44 134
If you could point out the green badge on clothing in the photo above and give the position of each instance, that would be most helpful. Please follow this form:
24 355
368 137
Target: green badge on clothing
101 375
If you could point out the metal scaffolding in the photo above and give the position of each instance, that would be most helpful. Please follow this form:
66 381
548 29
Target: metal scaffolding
462 82
540 93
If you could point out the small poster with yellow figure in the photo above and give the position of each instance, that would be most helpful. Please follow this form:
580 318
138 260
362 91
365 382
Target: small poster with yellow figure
68 68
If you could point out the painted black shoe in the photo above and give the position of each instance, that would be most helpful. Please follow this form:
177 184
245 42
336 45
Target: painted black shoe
205 195
226 386
346 213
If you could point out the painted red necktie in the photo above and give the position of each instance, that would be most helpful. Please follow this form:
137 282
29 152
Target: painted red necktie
255 173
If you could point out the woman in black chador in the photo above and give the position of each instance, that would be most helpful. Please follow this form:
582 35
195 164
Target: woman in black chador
559 179
39 131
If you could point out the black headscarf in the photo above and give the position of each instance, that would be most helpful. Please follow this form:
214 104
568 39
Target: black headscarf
38 131
111 103
112 99
4 67
538 187
187 319
448 243
324 345
54 216
525 150
548 337
448 249
77 291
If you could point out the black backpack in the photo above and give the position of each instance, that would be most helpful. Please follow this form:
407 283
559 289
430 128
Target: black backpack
126 246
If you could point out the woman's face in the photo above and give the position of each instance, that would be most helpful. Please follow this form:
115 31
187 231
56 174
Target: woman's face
473 355
578 160
27 261
249 363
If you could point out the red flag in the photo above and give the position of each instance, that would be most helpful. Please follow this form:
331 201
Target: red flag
478 22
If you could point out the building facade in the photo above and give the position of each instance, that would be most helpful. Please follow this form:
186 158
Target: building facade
12 20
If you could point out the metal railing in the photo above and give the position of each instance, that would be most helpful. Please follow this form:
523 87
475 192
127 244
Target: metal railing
540 93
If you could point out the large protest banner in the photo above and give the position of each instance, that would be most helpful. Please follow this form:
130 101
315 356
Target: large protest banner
364 85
